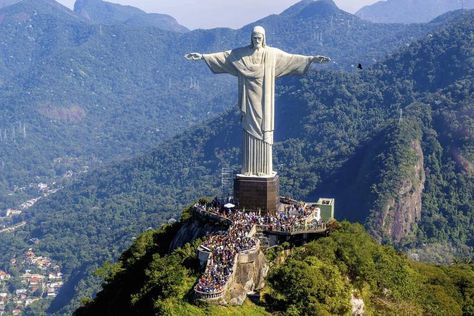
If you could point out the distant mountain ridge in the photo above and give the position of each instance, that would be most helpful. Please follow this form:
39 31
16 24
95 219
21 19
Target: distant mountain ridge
410 11
102 12
36 7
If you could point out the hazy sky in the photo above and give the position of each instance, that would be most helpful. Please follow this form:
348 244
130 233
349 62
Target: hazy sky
214 13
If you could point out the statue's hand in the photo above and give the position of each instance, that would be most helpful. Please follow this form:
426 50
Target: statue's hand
321 59
193 56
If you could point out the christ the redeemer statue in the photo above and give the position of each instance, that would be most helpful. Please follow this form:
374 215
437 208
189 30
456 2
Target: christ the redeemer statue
256 66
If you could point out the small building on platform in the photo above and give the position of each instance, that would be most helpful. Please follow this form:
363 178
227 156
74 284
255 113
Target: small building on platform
326 205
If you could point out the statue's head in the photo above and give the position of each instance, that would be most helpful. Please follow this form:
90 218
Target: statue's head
258 37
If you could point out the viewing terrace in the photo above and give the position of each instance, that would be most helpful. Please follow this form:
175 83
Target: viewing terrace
221 251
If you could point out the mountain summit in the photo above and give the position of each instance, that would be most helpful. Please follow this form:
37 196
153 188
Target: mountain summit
20 11
102 12
309 8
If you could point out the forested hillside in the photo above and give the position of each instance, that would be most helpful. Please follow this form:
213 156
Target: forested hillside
75 95
318 278
356 136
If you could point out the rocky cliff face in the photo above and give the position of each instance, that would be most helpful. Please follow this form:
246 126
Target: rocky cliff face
194 229
249 276
403 210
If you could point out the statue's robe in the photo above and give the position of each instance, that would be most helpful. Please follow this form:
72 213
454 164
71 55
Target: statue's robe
256 77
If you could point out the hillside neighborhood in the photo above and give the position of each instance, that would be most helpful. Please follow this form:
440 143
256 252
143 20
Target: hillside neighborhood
30 278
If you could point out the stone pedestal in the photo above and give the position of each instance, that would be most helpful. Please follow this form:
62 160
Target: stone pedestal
254 193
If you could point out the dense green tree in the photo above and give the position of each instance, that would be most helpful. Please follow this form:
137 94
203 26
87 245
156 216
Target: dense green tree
315 279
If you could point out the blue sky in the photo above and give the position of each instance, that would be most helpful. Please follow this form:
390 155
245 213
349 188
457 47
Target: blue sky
214 13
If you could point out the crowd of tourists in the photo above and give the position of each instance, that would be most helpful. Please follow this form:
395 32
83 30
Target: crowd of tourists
295 217
286 220
225 246
219 265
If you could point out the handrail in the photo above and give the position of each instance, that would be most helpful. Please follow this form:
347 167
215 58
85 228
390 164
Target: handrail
312 229
220 293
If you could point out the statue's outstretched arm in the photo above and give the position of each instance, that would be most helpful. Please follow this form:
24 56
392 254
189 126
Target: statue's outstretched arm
193 56
321 59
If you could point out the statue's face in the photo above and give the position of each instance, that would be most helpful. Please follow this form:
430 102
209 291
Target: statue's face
257 40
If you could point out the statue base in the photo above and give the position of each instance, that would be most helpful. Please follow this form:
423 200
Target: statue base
252 192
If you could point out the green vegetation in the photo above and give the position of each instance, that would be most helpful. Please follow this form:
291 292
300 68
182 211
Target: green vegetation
316 279
337 133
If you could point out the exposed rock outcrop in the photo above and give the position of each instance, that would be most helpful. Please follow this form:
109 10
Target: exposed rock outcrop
358 306
403 210
249 276
194 229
